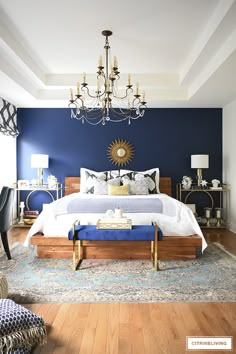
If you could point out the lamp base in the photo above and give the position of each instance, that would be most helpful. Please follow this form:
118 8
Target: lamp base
40 176
199 177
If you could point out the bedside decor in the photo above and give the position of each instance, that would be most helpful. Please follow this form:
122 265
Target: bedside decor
218 216
23 183
215 183
208 215
204 183
187 182
39 161
199 162
21 206
120 152
52 181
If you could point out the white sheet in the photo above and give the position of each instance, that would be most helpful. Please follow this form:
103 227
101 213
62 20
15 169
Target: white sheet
176 220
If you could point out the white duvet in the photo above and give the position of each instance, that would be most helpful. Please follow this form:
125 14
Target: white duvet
176 219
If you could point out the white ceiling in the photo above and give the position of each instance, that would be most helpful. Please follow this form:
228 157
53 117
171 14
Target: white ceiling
183 53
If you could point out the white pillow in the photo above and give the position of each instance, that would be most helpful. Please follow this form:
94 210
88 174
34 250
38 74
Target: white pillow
86 184
88 178
100 187
149 172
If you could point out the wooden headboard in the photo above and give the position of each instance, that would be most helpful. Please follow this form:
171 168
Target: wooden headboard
72 185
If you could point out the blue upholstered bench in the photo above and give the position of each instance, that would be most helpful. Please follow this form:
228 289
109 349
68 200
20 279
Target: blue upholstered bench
81 233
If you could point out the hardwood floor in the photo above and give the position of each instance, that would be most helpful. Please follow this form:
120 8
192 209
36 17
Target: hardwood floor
225 237
137 328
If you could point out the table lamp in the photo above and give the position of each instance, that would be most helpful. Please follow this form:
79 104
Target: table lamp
39 161
199 162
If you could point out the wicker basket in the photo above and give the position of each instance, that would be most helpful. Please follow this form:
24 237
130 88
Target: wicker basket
3 286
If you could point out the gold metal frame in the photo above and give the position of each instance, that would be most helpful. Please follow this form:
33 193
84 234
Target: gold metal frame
154 249
120 152
77 261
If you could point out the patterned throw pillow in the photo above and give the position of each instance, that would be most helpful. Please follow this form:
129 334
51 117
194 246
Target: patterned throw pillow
113 174
88 178
101 187
151 180
139 187
147 173
91 180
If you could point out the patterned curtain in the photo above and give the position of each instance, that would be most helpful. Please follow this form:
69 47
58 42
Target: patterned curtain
8 125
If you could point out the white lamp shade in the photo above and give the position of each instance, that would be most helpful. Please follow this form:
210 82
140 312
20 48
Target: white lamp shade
39 161
199 161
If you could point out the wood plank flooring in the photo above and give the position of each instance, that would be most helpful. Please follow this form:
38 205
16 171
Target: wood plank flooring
137 328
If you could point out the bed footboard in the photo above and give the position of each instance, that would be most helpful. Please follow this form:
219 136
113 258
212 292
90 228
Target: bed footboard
171 247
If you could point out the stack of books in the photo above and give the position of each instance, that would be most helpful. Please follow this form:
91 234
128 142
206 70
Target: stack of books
114 223
30 216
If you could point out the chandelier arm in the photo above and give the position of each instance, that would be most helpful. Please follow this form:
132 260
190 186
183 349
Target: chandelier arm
88 92
104 100
126 95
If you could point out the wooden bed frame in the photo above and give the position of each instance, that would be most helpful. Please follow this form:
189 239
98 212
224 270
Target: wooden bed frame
171 247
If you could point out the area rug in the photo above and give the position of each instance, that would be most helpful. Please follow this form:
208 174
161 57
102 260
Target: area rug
211 277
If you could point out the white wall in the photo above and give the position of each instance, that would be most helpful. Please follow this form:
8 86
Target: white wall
7 160
229 159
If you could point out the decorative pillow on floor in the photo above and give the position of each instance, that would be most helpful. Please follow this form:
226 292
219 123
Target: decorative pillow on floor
20 329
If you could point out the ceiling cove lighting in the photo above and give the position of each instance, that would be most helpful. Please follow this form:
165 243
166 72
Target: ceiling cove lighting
107 104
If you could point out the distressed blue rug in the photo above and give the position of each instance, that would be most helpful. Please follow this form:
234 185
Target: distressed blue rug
211 277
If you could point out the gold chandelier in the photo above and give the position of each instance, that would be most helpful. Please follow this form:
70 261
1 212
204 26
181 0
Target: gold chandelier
107 104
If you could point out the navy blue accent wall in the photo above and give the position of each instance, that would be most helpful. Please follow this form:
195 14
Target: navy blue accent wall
163 138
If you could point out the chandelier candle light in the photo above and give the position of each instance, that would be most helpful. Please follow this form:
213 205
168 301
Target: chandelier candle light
107 104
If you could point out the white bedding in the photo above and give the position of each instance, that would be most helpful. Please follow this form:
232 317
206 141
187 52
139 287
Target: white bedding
176 218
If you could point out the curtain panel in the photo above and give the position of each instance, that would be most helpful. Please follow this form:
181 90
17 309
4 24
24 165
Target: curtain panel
8 118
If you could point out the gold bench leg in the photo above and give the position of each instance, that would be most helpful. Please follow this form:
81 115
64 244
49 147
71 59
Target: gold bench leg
74 257
77 261
156 265
152 252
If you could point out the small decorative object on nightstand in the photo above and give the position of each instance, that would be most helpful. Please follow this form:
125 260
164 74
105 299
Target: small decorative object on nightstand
215 183
208 215
52 181
187 182
204 183
218 216
21 221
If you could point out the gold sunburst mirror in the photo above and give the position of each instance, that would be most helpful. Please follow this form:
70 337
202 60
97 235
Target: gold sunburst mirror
120 152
